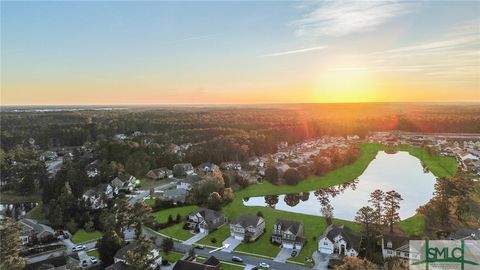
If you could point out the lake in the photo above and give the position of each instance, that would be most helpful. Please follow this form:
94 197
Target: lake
397 171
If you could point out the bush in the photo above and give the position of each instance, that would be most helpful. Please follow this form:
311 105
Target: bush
213 240
72 226
291 176
89 227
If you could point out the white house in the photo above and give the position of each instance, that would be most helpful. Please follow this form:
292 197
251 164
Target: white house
247 227
338 239
122 253
393 245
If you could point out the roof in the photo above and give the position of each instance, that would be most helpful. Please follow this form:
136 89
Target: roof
397 241
117 182
176 192
121 253
37 227
289 225
210 263
352 238
465 233
120 266
247 220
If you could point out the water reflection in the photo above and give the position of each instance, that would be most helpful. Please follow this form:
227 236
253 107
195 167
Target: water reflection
388 171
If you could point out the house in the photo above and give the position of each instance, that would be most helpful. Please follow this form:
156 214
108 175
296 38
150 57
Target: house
124 182
338 239
394 245
175 195
33 230
120 266
288 233
231 166
48 155
122 253
185 184
207 167
183 169
93 169
160 173
247 228
205 220
211 263
95 196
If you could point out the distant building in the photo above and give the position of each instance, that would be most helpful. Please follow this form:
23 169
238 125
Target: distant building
124 182
231 166
247 228
393 245
122 253
207 167
183 169
160 173
95 196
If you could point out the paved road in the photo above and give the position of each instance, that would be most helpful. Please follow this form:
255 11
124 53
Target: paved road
225 256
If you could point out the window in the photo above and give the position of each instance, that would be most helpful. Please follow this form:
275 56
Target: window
325 243
389 244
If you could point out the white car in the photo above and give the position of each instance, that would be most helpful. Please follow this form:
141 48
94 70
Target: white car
93 260
78 248
264 265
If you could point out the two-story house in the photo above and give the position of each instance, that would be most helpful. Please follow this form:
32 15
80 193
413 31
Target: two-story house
247 228
394 245
121 254
205 220
95 196
207 167
32 231
338 239
124 182
183 169
288 233
160 173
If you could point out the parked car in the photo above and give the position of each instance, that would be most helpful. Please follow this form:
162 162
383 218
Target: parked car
264 265
78 248
294 253
84 263
93 260
199 246
237 259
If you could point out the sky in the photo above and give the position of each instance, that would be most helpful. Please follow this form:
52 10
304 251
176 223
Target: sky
122 52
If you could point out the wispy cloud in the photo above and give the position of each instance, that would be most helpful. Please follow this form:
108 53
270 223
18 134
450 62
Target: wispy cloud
294 51
339 18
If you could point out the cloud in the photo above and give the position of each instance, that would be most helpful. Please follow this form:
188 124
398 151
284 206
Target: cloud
294 51
341 18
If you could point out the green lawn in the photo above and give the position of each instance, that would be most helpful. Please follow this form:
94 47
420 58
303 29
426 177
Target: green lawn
177 231
220 234
314 225
162 215
93 253
414 225
228 266
37 214
81 236
172 256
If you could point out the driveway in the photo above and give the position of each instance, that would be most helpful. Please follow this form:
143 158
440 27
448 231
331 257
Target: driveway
195 238
283 255
321 260
232 242
249 267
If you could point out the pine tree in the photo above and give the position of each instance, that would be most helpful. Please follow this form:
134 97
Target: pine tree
140 257
377 199
391 207
11 244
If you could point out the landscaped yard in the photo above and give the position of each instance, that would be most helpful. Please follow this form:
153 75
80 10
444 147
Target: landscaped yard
172 256
314 225
177 231
184 211
81 236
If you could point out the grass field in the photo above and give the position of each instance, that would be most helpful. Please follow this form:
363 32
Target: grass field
172 256
314 225
184 211
414 225
177 231
220 234
81 236
93 253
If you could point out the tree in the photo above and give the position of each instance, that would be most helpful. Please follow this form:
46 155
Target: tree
377 198
11 244
108 245
327 213
167 245
215 201
259 214
367 218
140 257
391 207
322 165
291 176
271 174
228 194
140 213
138 163
354 263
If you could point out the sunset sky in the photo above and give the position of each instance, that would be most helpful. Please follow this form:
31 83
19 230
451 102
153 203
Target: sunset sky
238 52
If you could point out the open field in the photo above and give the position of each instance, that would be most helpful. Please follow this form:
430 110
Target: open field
314 225
162 216
177 231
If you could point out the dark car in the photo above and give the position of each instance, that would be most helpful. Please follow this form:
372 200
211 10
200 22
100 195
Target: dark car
200 247
294 253
237 259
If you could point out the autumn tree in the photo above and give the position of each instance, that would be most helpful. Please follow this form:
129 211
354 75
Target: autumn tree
322 165
140 257
291 176
228 194
354 263
215 201
140 213
391 207
11 244
327 213
109 244
271 174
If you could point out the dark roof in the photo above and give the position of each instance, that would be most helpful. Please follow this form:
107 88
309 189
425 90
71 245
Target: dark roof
187 265
120 266
397 241
121 253
246 220
289 225
352 238
212 261
55 261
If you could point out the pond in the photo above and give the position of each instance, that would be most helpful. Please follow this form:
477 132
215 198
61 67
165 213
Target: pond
397 171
